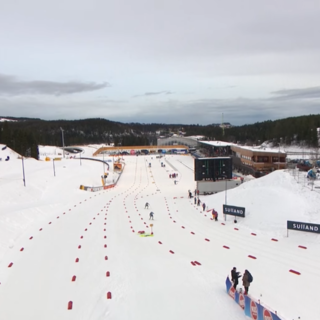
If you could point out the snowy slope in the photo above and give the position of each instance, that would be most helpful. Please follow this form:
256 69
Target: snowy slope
147 280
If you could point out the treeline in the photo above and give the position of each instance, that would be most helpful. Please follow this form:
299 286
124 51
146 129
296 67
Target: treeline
24 135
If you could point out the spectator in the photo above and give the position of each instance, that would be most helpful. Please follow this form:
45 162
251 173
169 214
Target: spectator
245 281
204 206
234 277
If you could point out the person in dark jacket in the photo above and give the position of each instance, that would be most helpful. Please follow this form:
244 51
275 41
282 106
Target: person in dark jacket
245 282
199 201
234 277
204 206
151 216
146 206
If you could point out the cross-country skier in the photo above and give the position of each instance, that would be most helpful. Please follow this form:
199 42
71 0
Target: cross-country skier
151 215
146 206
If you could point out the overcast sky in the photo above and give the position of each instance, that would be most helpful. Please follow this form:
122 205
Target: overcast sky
164 61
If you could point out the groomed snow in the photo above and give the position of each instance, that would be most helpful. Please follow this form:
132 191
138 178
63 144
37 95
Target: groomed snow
147 280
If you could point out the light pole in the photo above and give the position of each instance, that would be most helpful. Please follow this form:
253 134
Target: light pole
279 154
62 136
24 178
54 168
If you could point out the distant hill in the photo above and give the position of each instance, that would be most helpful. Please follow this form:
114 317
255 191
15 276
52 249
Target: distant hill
24 134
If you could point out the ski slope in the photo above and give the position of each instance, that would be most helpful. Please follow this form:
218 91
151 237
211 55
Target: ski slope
51 231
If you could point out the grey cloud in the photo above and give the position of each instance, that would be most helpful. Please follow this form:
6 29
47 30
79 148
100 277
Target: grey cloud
11 86
305 93
152 94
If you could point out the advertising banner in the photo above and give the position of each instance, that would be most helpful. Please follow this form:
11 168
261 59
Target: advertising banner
234 211
252 309
303 226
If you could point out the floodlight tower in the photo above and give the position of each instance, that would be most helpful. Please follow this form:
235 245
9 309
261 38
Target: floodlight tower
62 136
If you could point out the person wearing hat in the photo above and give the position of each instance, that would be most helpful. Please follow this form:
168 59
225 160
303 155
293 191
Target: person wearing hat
234 277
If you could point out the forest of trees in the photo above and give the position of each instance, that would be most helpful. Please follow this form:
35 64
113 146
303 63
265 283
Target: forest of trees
24 135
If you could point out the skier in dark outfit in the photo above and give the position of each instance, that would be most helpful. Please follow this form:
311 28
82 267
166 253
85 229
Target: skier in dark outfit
234 277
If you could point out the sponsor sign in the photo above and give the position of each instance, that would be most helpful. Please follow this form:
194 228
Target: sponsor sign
234 211
267 315
253 310
241 301
303 226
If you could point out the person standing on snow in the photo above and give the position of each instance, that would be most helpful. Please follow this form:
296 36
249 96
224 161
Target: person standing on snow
199 202
195 200
234 277
204 206
245 281
151 215
146 205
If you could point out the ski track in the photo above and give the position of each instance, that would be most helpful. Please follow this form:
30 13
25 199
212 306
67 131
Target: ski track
102 224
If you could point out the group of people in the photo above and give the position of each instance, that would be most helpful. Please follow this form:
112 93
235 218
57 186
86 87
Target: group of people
151 214
246 279
197 201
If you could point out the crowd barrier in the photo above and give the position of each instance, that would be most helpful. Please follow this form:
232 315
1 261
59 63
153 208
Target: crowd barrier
251 308
95 189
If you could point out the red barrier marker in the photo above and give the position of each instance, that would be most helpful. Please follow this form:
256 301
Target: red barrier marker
273 239
105 237
302 247
226 247
206 239
57 217
85 229
236 229
108 274
30 238
64 213
79 247
106 258
254 234
104 229
21 249
40 229
192 232
77 260
295 272
105 223
252 257
222 223
49 222
174 221
73 278
171 251
70 304
10 265
90 223
198 263
81 237
193 263
183 227
109 295
105 245
159 242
